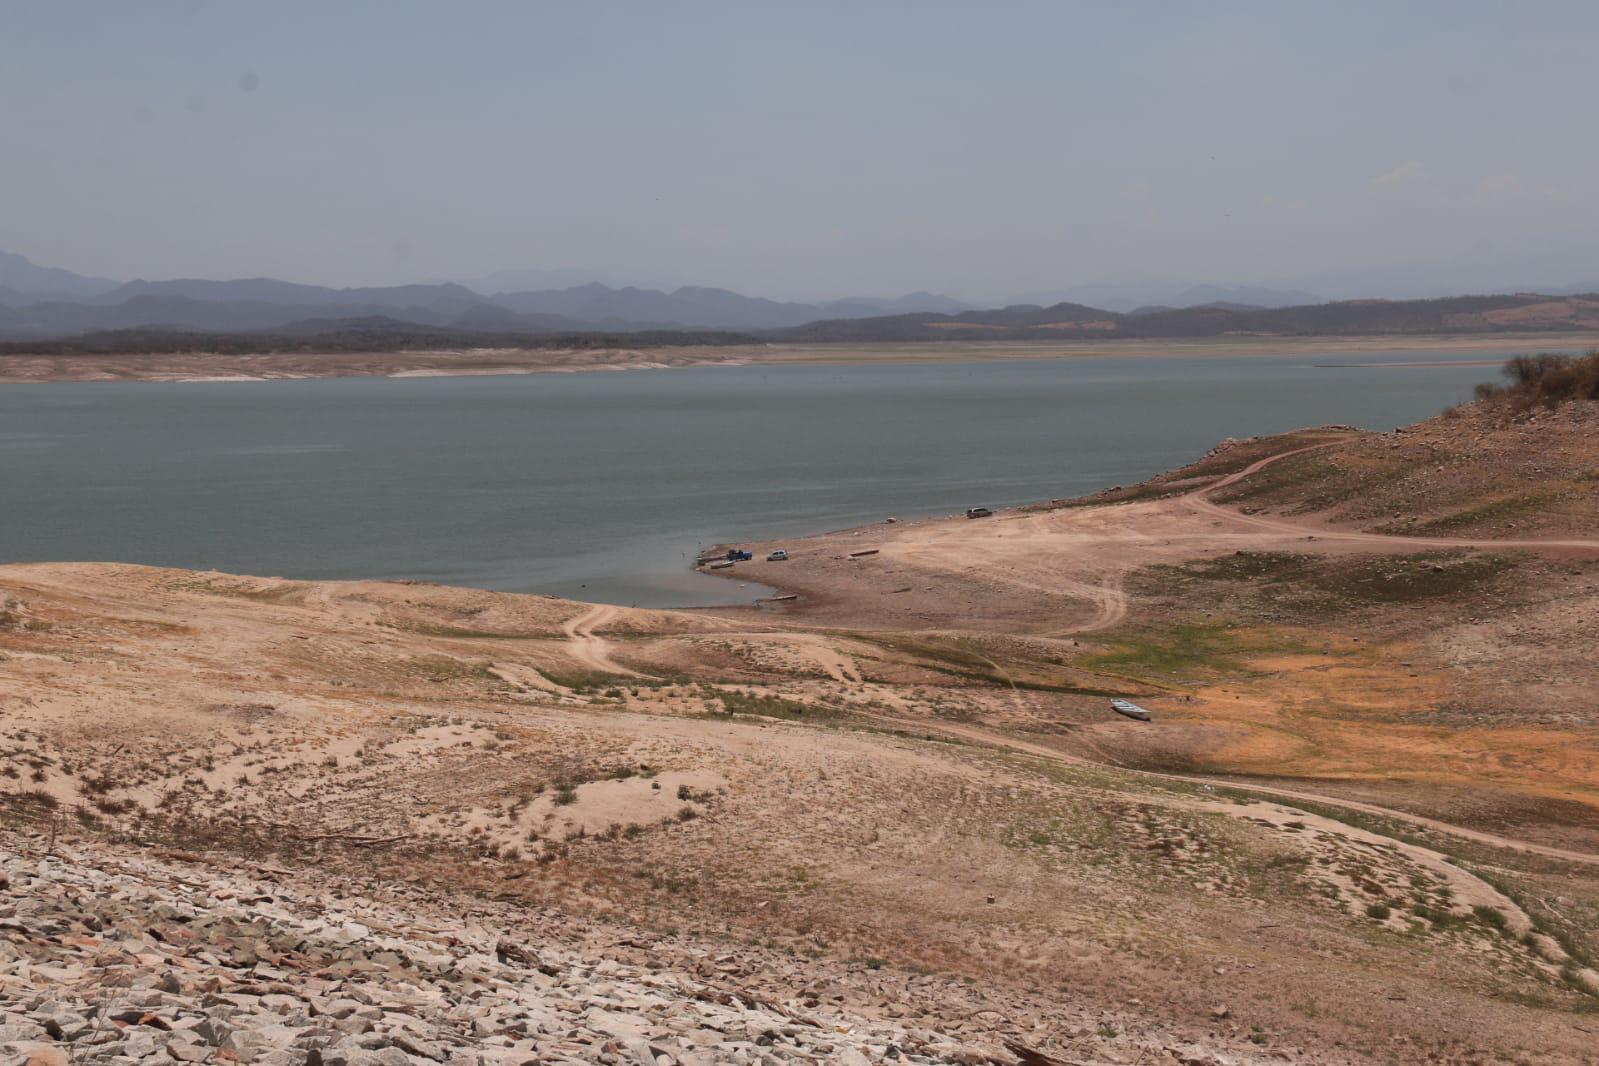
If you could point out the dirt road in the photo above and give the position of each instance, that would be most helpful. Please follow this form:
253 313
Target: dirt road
588 647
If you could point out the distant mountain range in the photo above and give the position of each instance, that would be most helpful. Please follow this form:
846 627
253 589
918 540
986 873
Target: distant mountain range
1133 296
40 302
706 308
1522 312
44 303
22 281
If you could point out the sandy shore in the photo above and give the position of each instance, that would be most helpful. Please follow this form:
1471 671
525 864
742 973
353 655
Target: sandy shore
202 366
1056 579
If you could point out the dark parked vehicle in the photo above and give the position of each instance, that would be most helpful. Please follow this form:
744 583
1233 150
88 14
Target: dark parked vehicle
979 512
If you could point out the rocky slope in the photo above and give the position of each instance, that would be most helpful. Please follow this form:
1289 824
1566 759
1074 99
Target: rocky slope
109 955
1478 471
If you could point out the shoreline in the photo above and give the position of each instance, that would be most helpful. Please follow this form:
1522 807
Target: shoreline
481 745
201 368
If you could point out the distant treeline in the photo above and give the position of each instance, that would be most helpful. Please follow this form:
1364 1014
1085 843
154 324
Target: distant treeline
1459 314
176 342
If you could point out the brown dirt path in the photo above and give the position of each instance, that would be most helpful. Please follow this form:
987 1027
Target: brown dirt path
588 647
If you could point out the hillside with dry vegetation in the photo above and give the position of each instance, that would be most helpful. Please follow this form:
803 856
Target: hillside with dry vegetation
1523 461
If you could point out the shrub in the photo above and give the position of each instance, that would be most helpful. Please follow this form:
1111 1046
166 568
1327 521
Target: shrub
1545 380
1491 916
38 797
735 701
1379 911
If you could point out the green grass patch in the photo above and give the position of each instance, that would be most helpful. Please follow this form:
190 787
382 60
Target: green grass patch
1179 651
1211 468
1492 511
1292 473
1573 937
433 629
1356 579
1407 579
952 660
440 668
737 701
1492 917
1245 566
947 654
585 681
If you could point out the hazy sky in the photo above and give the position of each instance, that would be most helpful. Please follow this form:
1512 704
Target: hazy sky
807 149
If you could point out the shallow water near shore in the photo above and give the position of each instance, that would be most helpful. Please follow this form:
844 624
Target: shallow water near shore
603 486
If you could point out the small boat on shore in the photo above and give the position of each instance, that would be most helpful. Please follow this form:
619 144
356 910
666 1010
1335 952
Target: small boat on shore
1130 709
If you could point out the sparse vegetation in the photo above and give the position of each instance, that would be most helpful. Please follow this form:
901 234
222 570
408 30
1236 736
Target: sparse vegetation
1544 380
583 682
1176 651
738 701
1309 590
1492 917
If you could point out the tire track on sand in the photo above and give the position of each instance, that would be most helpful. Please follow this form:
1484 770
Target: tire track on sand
1281 795
588 647
1470 889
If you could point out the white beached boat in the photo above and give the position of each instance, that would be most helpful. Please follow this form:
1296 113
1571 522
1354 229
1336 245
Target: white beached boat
1130 709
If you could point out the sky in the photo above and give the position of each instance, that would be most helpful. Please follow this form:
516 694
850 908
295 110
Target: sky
809 150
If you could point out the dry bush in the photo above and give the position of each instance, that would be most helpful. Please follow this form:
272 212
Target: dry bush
1544 380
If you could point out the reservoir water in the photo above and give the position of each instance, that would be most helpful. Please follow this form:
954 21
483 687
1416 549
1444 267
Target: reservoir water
602 486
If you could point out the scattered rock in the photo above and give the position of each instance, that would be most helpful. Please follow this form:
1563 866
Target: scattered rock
190 964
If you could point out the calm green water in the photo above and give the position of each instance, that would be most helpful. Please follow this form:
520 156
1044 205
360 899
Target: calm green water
604 485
